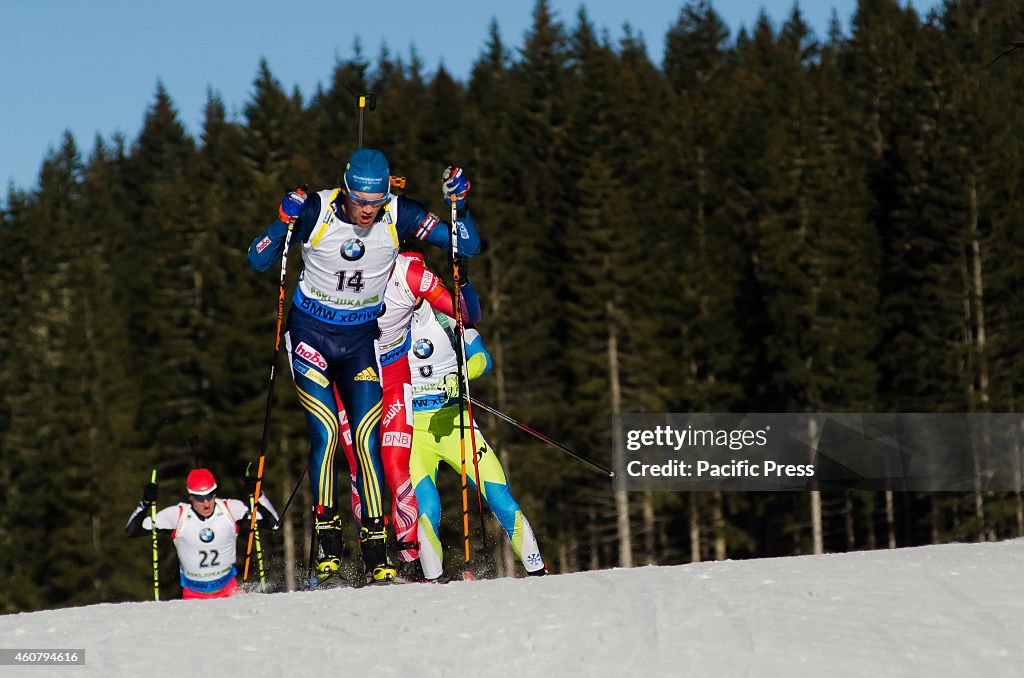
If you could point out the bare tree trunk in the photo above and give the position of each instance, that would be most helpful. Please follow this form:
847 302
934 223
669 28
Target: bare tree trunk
621 497
890 518
851 529
572 549
817 535
978 290
979 509
694 529
968 329
718 525
622 526
595 549
869 516
663 553
977 303
650 536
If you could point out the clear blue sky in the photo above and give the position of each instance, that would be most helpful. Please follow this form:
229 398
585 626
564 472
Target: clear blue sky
91 66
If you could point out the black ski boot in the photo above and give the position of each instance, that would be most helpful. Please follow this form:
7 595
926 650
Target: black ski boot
439 579
373 541
410 571
328 562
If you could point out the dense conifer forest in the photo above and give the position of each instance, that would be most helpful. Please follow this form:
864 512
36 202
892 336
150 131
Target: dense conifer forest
771 221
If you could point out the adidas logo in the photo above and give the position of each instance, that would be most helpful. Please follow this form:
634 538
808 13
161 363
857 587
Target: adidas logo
366 375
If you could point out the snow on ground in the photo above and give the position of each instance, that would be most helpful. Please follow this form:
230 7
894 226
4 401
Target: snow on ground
952 610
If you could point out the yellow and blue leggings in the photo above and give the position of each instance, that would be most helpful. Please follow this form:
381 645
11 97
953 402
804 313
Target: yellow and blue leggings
435 439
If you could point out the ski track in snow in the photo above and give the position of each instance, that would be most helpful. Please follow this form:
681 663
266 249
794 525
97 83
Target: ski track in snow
951 610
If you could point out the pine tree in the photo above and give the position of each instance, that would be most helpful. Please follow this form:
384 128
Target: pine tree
48 442
157 285
702 255
16 354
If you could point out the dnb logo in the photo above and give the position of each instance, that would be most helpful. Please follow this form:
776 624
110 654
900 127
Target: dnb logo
353 249
396 439
423 349
206 535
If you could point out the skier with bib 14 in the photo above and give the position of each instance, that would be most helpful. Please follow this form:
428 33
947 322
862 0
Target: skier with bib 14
350 238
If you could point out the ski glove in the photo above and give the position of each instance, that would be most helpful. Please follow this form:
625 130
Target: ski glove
454 182
250 480
291 206
450 385
149 494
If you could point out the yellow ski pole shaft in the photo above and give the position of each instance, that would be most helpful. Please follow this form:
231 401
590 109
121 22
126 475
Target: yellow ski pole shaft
259 547
156 550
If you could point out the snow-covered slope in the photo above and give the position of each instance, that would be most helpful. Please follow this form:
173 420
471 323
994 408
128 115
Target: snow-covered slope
954 610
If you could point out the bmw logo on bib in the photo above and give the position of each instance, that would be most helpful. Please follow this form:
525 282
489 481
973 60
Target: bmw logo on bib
353 249
206 535
423 349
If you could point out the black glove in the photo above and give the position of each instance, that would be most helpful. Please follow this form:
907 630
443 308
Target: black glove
463 264
149 494
250 481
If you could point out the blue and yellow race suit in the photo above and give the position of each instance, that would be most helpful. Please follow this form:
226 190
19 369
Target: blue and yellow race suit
332 326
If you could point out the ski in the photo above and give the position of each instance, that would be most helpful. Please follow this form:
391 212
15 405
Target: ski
334 581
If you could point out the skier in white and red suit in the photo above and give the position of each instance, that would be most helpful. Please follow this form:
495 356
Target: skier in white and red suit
204 532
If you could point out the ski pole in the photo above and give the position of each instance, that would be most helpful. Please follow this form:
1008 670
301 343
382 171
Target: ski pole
270 390
156 550
459 371
464 394
259 547
461 327
298 483
364 101
256 537
540 436
367 100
